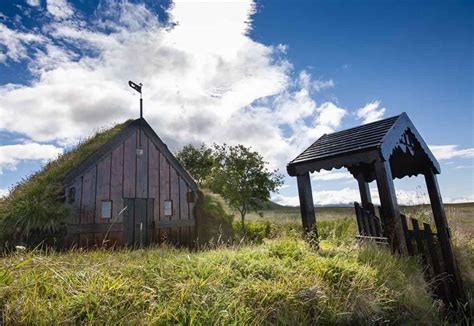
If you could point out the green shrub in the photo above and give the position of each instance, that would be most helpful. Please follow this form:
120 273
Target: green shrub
253 232
213 218
339 230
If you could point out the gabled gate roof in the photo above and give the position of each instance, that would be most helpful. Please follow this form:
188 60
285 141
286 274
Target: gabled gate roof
395 139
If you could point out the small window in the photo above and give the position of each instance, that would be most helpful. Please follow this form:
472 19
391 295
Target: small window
71 196
106 209
190 196
168 206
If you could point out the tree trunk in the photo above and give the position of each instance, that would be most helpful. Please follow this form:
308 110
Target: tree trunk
242 217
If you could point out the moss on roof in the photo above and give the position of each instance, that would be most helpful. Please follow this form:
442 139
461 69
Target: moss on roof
36 203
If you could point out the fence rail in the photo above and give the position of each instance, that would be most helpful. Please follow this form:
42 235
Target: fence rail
421 241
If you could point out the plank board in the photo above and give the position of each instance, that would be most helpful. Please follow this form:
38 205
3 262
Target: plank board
116 183
142 170
154 175
88 196
129 166
164 185
183 200
76 205
103 187
128 221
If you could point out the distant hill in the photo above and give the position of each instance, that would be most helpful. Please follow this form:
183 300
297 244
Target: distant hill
271 205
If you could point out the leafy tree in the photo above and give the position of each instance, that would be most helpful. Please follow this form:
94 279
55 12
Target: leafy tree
242 178
199 161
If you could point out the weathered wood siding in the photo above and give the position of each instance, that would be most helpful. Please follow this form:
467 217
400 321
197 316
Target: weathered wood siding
122 174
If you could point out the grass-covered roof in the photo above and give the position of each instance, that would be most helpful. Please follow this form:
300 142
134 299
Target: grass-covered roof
36 203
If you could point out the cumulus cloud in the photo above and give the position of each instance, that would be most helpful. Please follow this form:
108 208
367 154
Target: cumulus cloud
371 112
33 3
205 80
447 152
324 175
347 196
11 155
3 192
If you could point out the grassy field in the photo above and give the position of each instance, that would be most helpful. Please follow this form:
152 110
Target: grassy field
277 279
460 216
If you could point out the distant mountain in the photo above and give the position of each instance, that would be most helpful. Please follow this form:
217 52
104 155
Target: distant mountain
271 205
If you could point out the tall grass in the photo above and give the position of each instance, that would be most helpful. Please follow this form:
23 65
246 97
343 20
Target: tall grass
280 281
36 203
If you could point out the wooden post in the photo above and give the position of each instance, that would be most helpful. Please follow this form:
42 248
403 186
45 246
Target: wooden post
306 202
444 235
391 211
440 285
364 191
371 221
378 225
407 235
420 248
358 213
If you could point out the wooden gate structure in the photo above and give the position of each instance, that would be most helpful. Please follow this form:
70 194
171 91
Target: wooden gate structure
382 151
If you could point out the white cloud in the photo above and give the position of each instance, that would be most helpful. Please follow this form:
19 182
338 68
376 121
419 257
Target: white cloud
3 192
305 80
33 3
371 112
465 167
462 199
330 115
16 43
11 155
60 9
446 152
347 196
205 80
324 175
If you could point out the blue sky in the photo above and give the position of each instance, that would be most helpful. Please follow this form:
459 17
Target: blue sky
274 75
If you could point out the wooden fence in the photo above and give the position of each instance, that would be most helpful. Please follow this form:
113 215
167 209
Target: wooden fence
370 225
421 241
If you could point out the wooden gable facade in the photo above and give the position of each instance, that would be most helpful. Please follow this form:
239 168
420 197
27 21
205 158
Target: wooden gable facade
132 191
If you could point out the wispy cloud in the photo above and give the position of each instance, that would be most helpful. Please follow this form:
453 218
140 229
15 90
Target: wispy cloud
59 9
306 81
465 167
371 112
447 152
16 43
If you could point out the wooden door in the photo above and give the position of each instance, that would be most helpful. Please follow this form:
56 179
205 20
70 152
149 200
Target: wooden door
140 223
137 221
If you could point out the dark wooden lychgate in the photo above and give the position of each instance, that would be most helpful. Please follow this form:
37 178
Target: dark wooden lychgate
382 151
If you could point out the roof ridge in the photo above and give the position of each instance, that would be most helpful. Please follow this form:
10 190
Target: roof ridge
366 124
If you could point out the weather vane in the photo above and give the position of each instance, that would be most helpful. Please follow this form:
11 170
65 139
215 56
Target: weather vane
138 88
